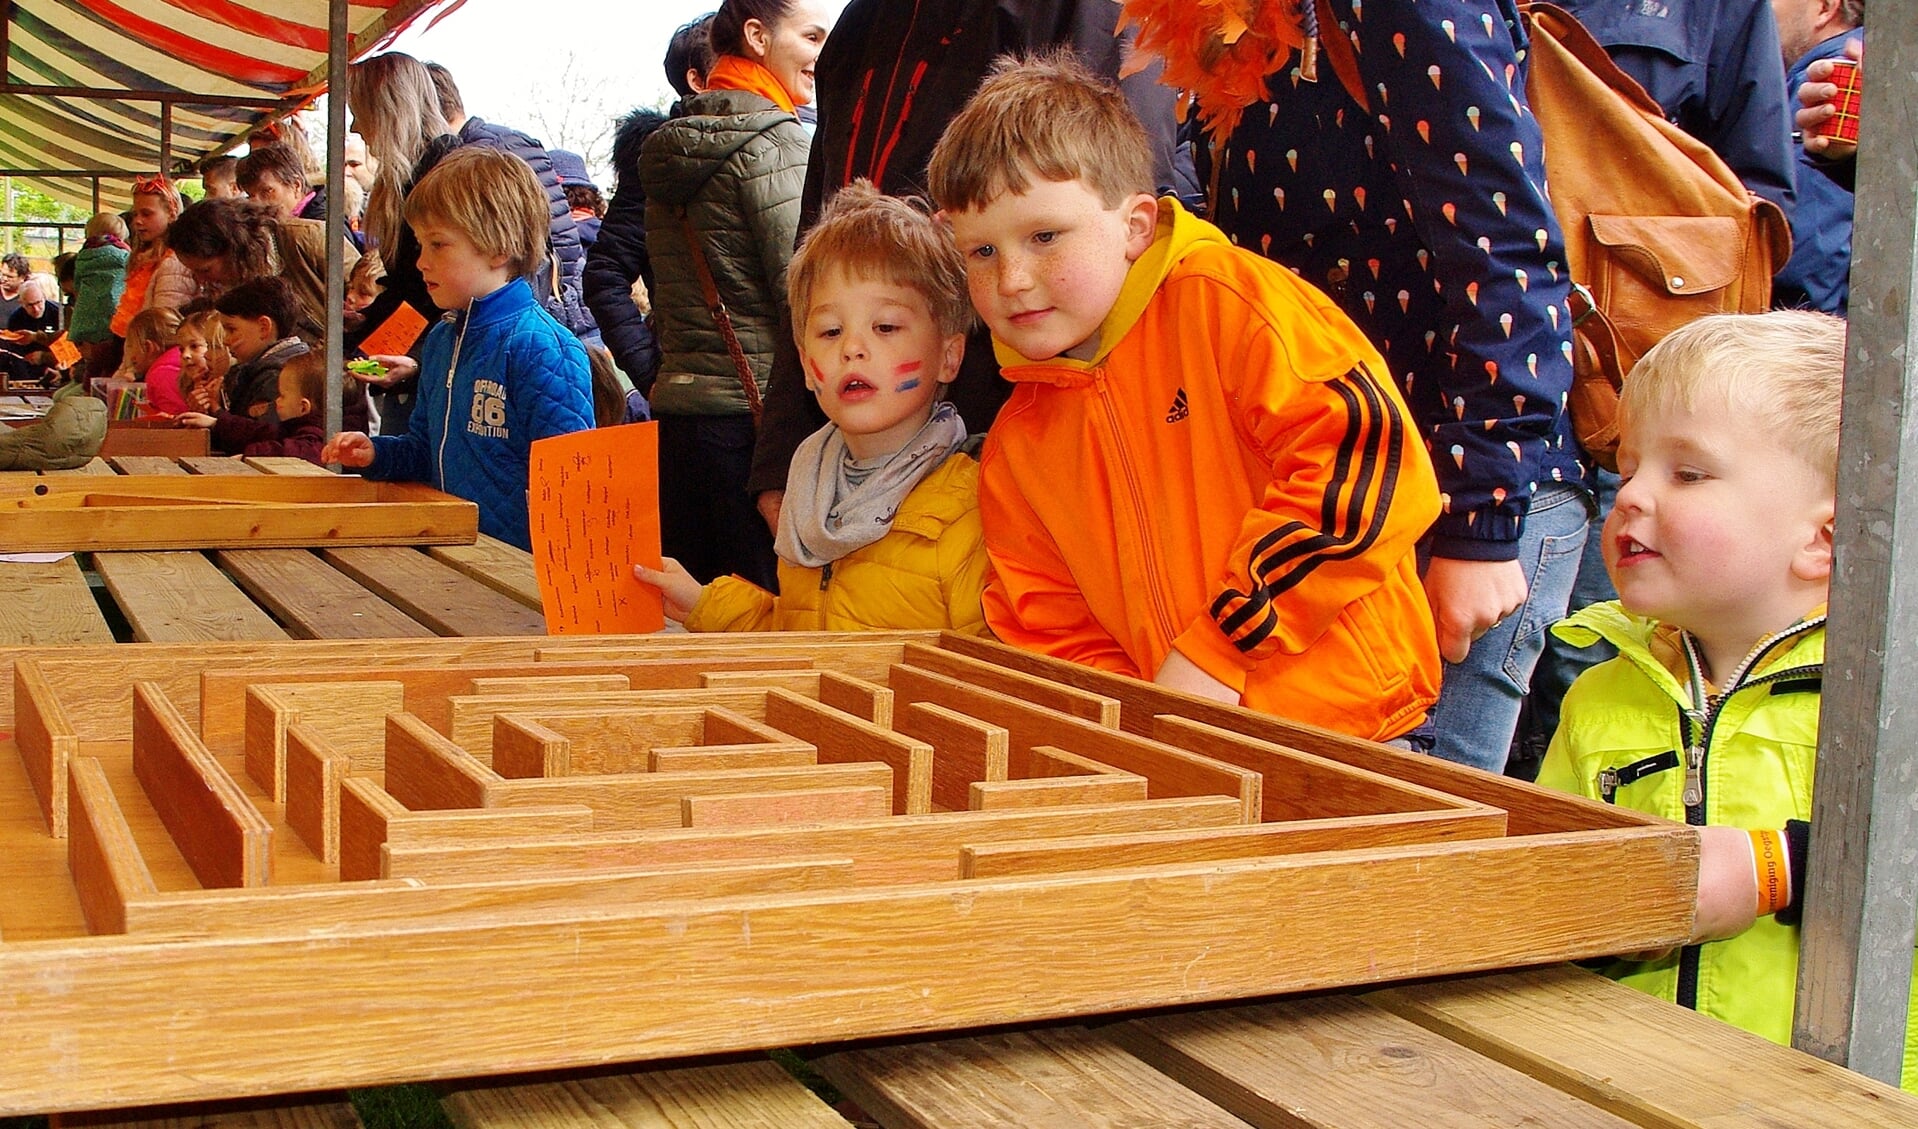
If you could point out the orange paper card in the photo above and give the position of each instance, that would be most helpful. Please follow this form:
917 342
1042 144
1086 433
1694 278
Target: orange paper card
396 335
594 502
64 351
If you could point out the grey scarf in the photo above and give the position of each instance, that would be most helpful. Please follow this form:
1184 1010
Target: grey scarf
835 504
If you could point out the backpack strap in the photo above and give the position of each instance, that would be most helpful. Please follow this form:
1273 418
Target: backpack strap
716 307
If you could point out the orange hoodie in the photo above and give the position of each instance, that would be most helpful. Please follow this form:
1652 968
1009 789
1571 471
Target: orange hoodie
1230 475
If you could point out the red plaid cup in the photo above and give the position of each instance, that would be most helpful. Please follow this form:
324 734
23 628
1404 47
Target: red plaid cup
1843 124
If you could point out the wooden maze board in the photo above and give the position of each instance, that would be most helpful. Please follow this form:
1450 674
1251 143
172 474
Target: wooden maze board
240 869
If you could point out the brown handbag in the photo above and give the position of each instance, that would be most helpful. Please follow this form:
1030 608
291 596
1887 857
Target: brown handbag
1658 229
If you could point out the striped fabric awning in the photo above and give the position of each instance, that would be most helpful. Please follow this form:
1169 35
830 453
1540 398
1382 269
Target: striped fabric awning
79 98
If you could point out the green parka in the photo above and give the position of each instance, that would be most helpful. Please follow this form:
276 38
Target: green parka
68 436
1623 738
733 166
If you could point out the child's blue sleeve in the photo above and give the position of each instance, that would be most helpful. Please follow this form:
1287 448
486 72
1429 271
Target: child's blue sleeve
401 458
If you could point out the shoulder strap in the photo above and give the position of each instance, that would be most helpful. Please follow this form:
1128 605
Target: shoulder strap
717 308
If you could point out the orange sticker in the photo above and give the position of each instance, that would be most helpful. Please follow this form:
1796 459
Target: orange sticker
594 505
396 335
64 351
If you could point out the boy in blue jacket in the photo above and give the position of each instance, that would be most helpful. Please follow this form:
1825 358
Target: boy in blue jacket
498 371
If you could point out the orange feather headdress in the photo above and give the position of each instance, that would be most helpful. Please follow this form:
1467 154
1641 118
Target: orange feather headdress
1219 52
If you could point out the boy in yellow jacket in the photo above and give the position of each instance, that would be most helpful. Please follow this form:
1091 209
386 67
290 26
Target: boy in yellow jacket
1204 475
880 527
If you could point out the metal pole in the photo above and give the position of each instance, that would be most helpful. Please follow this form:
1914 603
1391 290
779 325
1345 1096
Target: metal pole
336 51
96 195
166 139
1855 966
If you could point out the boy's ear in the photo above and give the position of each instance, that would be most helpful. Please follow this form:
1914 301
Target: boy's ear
268 326
952 354
1141 214
1813 559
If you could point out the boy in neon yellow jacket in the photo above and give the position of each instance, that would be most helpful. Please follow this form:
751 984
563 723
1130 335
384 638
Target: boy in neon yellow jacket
1720 545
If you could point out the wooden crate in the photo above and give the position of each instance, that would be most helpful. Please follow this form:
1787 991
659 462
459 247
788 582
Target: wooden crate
143 512
506 854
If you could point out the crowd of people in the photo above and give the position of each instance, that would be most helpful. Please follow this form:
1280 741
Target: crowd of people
952 320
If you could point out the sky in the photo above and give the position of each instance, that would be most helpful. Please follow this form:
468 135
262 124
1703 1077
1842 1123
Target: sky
561 81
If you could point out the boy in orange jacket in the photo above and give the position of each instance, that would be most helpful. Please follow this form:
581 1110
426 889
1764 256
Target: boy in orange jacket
1204 475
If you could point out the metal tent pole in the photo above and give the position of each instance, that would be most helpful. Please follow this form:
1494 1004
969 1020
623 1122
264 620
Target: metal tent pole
336 52
1855 966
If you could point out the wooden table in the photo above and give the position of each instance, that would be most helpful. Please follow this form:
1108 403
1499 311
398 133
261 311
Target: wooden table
1551 1047
258 594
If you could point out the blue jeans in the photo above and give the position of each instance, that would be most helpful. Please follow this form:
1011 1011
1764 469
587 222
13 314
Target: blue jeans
1479 699
1562 663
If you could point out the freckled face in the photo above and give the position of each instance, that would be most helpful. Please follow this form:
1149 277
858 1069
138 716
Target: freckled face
876 359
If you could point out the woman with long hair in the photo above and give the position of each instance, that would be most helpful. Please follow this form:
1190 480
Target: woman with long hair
722 186
396 111
155 276
227 242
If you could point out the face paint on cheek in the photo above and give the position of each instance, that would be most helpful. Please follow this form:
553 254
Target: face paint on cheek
818 377
904 369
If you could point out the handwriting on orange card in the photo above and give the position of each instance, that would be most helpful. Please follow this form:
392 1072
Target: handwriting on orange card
594 507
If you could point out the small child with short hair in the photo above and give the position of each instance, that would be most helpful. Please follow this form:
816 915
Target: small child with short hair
204 361
880 527
1720 545
1205 475
499 374
152 355
299 405
259 320
99 277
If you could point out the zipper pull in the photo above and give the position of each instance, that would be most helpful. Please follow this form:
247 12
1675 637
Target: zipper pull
825 576
1694 775
1608 784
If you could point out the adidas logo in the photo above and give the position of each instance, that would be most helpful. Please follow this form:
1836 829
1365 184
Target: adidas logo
1179 410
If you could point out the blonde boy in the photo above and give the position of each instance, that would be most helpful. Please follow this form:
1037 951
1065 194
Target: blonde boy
1720 546
1203 476
500 372
880 524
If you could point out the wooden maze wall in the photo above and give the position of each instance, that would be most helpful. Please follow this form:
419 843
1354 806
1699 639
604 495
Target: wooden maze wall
244 869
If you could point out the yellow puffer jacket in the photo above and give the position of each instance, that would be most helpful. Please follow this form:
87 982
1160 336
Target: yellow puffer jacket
927 573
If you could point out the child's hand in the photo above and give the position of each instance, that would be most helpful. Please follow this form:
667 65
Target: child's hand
399 368
1180 673
349 449
193 419
675 584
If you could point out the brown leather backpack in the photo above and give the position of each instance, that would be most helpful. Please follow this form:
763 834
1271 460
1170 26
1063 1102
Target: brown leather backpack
1658 229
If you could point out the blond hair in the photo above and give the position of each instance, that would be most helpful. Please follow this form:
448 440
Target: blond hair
492 198
1784 369
397 113
309 368
161 189
106 223
1045 117
868 234
152 330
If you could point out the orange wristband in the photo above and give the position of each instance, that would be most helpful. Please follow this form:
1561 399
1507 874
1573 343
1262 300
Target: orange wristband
1768 859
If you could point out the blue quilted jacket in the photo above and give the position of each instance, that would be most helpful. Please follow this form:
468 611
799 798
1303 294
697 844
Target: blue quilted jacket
492 380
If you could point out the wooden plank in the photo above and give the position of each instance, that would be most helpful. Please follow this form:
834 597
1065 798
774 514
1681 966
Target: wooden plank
803 682
370 818
798 807
181 598
1650 1062
1047 762
222 836
313 600
47 742
284 464
147 462
857 696
246 511
743 1095
312 1111
842 738
314 771
349 716
1533 810
1258 840
1099 709
964 750
733 758
862 654
426 772
1337 1063
552 684
366 812
1106 788
523 749
506 569
655 799
1064 1076
220 466
1303 786
1168 770
911 848
49 603
108 870
598 724
92 468
381 903
436 595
